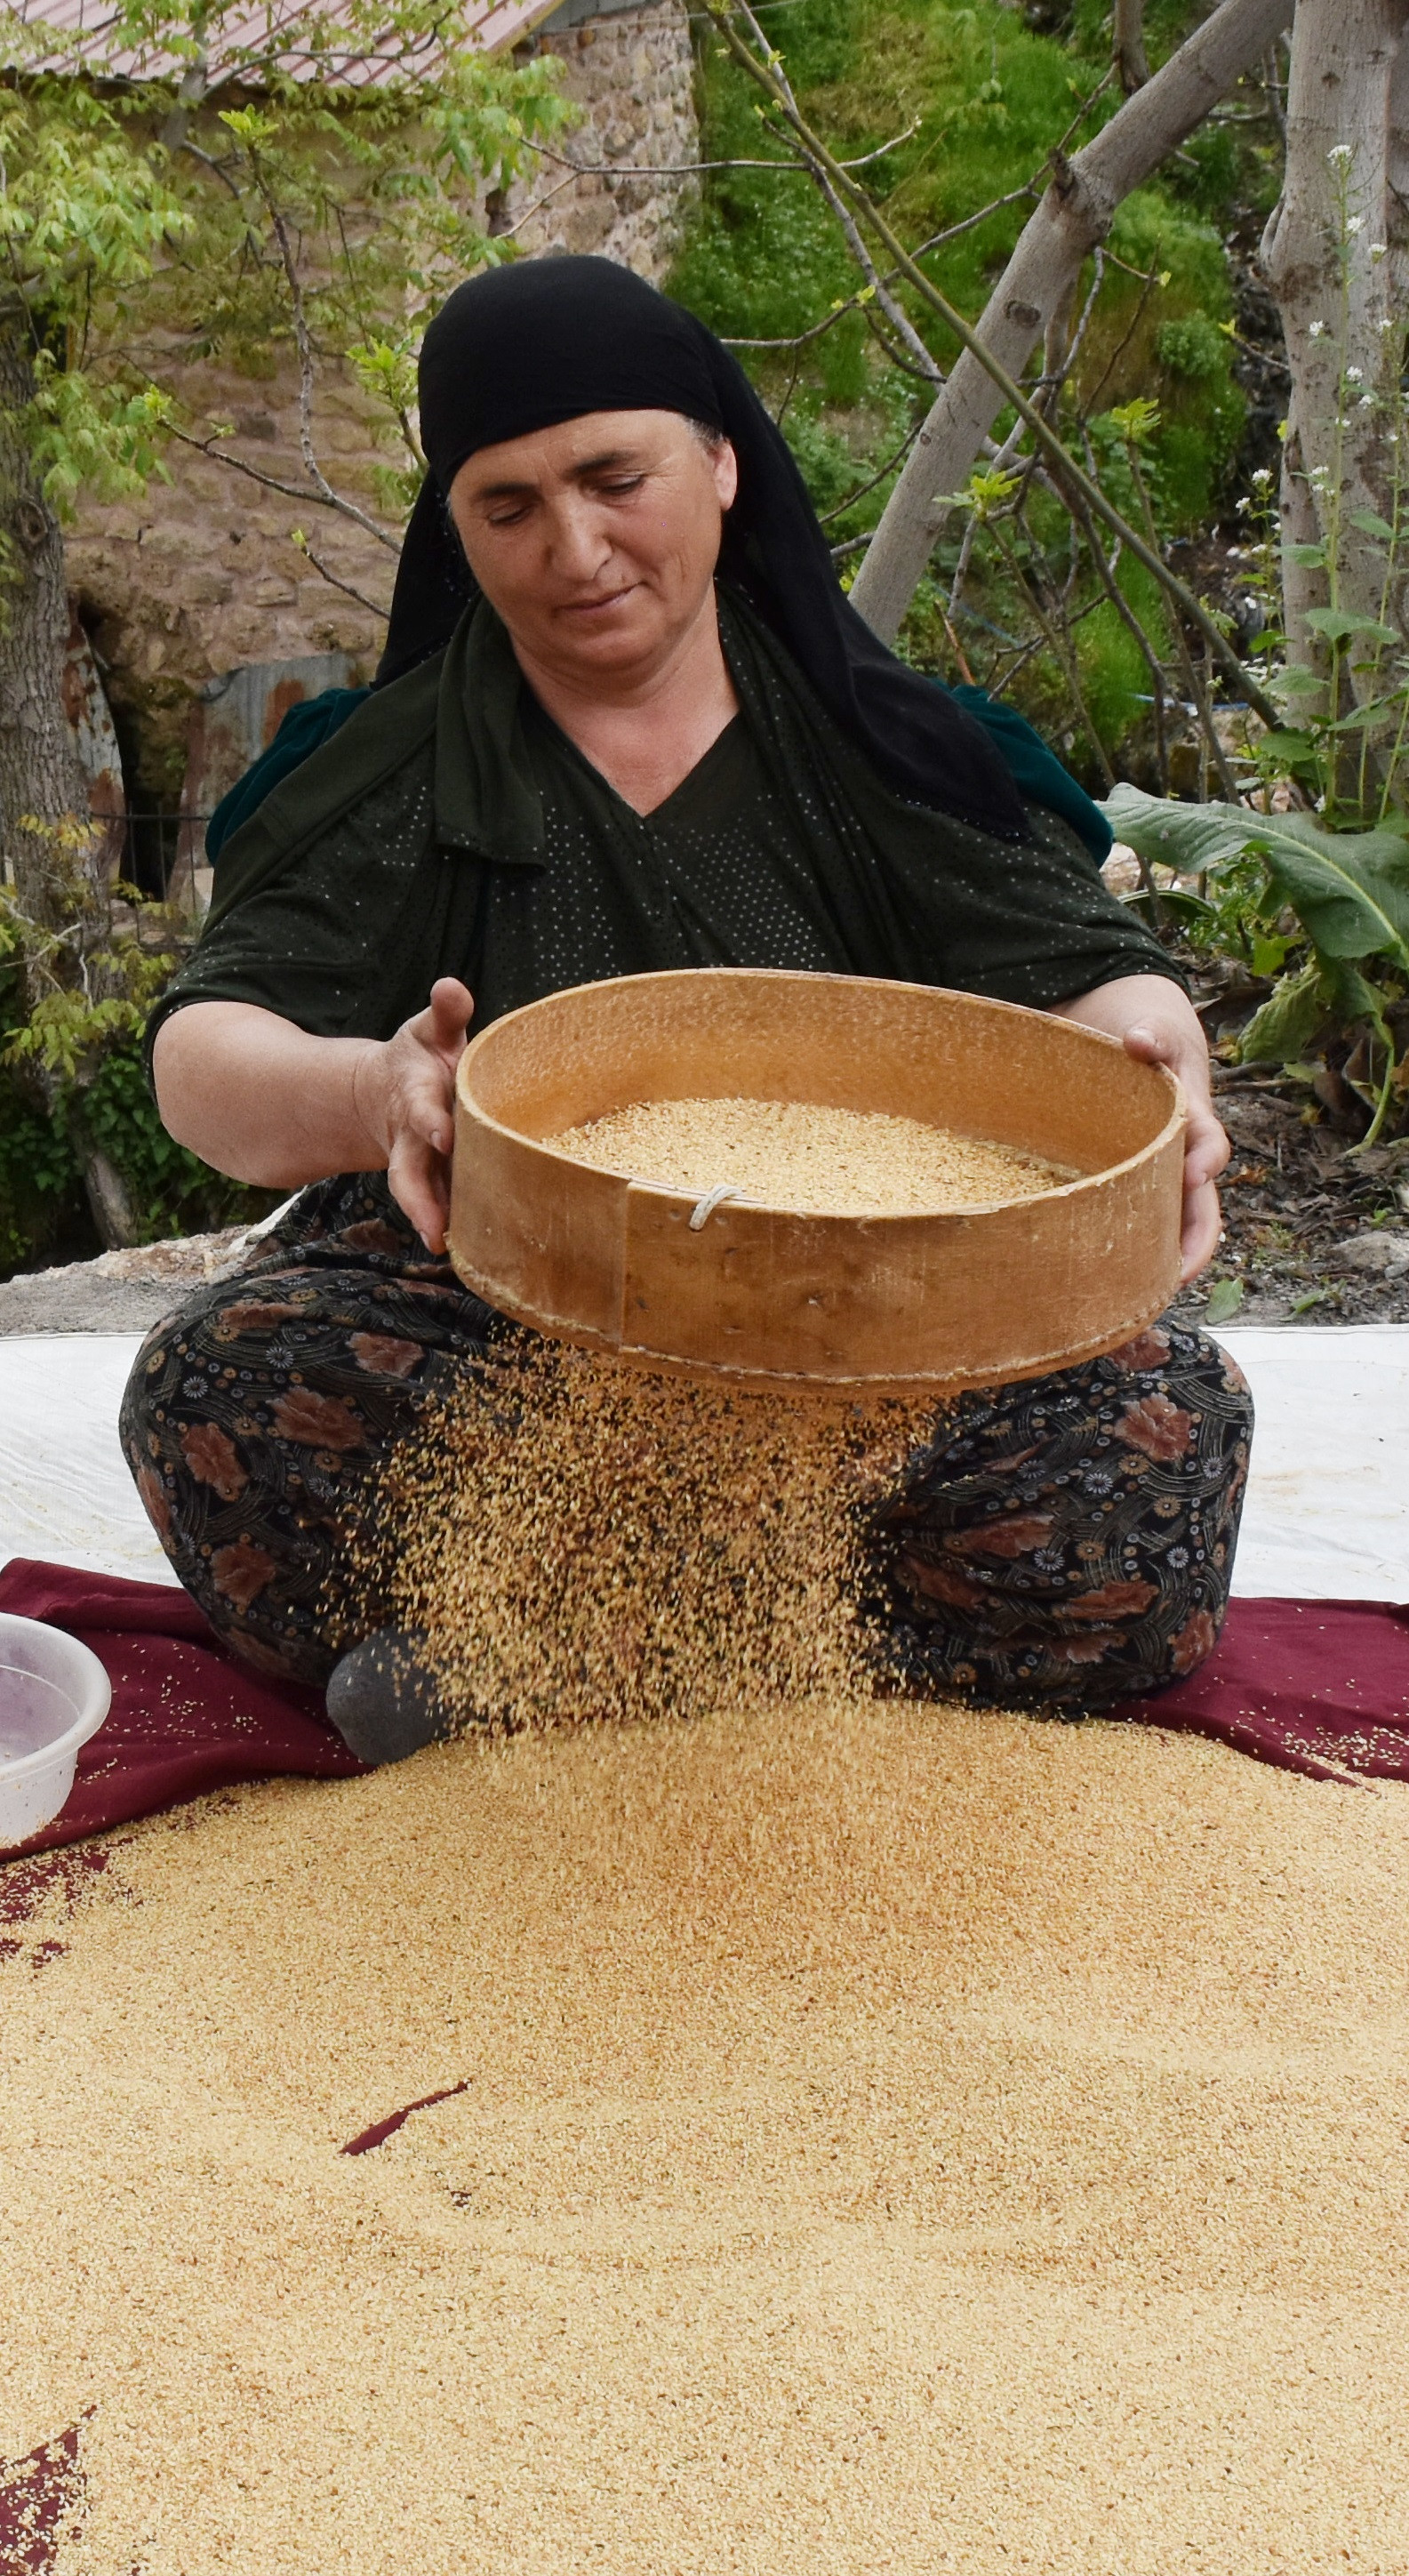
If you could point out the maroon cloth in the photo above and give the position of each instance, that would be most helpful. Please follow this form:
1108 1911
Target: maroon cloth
185 1718
1316 1686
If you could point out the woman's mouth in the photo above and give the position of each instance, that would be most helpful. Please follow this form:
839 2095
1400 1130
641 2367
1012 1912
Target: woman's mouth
598 607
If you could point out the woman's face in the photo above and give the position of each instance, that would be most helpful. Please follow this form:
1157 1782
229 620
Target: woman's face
597 541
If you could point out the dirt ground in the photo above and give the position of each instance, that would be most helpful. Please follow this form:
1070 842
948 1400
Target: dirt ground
1313 1231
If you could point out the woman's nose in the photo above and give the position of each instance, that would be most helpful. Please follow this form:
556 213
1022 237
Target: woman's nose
581 542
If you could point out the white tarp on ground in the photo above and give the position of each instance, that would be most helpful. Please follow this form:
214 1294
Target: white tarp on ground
65 1492
1327 1513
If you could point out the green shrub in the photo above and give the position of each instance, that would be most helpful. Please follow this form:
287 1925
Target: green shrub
72 1081
1193 347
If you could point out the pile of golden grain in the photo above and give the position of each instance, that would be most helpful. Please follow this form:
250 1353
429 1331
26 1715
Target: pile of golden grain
794 1154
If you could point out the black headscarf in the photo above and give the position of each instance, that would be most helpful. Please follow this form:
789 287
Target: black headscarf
524 347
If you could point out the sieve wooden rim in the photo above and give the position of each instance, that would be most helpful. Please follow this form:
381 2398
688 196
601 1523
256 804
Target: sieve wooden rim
517 1200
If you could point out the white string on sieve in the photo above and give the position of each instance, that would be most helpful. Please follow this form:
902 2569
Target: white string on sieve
704 1208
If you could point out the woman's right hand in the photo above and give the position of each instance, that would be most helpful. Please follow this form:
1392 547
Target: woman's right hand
404 1095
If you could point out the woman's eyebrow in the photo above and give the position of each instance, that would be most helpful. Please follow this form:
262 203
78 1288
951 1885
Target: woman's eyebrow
611 459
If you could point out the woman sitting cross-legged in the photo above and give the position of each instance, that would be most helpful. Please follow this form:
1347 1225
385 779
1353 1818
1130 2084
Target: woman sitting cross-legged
627 720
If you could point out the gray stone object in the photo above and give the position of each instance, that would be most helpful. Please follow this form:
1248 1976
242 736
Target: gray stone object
120 1292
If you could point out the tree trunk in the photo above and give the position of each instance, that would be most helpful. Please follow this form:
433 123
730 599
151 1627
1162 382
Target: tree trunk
1336 255
41 779
39 770
1075 214
1128 45
110 1202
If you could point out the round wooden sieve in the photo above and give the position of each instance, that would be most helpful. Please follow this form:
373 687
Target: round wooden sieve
770 1297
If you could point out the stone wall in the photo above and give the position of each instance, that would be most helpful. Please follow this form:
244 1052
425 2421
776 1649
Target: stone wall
202 578
631 71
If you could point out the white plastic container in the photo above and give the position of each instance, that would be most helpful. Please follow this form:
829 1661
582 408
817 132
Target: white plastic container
54 1694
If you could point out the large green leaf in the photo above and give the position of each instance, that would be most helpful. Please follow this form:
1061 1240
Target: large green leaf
1190 838
1287 1021
1349 889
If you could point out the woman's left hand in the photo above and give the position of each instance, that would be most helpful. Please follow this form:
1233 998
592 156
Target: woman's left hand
1157 1022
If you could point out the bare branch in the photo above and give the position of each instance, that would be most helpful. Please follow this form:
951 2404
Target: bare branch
695 169
961 569
1121 346
219 454
655 169
304 345
800 339
968 223
348 588
926 375
209 162
878 477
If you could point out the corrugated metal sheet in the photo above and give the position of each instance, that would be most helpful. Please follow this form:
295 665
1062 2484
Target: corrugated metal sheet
90 38
233 720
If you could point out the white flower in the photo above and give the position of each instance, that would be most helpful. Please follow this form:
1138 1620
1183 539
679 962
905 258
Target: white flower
1263 475
1354 224
1355 375
1379 250
1245 503
1366 403
1341 154
1316 331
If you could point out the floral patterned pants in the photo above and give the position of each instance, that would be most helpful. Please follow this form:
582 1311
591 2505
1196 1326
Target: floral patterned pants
1066 1541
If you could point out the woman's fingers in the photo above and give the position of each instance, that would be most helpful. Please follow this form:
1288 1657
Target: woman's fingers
416 1177
1201 1230
1206 1148
451 1009
428 1111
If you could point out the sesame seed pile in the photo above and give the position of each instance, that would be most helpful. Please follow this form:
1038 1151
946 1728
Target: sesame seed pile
794 1154
894 2139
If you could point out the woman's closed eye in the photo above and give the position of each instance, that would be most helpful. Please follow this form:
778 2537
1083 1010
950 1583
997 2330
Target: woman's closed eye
617 487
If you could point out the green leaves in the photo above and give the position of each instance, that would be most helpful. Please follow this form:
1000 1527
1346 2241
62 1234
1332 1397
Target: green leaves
84 434
1349 892
988 490
141 233
1349 889
1136 421
1337 623
1224 1299
1288 1020
1189 838
1285 750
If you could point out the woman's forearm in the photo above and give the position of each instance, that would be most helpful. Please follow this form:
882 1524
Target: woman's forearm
262 1100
